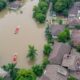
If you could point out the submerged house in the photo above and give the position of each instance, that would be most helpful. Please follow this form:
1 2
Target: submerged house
54 72
58 52
15 5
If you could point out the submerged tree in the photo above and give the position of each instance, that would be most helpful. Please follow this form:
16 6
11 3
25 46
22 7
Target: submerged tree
47 49
32 52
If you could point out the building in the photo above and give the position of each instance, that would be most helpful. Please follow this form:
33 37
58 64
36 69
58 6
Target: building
75 37
58 52
15 5
56 29
74 15
75 11
72 61
73 22
54 72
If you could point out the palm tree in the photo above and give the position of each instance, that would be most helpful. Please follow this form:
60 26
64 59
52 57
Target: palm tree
32 52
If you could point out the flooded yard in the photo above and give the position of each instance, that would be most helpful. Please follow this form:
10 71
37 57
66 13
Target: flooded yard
30 33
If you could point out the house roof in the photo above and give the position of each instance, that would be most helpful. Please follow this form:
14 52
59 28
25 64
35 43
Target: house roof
58 52
73 22
53 72
75 8
15 4
75 37
56 29
72 61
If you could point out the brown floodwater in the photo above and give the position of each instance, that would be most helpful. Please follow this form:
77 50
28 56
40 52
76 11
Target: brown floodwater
30 33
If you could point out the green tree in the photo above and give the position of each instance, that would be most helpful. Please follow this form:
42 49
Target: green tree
38 70
47 49
2 5
59 6
71 78
40 17
65 12
32 52
39 12
24 74
64 36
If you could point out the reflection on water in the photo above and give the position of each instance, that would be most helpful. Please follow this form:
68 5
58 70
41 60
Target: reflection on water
30 33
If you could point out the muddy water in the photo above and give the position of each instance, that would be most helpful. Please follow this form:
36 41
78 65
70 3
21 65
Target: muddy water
30 33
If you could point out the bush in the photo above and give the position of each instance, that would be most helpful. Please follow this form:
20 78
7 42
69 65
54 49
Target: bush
11 0
71 78
24 74
45 62
78 48
77 26
49 35
60 21
38 70
47 49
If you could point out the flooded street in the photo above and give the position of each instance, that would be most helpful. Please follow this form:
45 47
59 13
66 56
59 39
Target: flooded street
30 33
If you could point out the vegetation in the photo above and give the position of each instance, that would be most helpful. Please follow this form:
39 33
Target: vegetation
71 78
77 26
49 35
24 74
11 0
78 48
11 69
39 12
38 70
62 6
60 21
47 49
3 4
32 52
45 62
1 78
64 36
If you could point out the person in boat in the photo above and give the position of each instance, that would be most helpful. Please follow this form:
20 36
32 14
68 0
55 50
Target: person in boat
17 30
14 59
